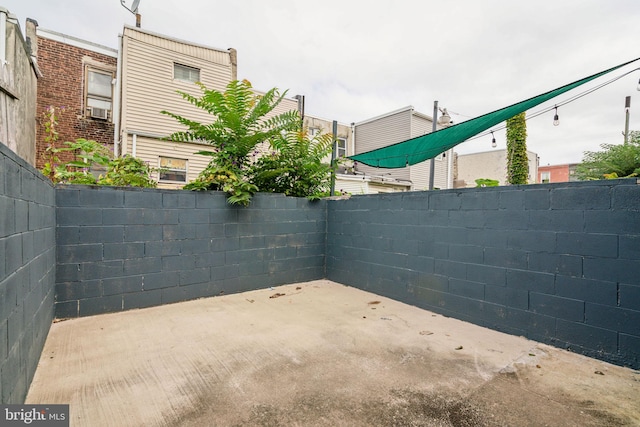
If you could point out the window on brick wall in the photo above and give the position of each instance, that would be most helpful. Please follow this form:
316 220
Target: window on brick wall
99 92
173 170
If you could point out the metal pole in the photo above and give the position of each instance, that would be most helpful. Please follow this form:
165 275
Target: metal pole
627 106
432 166
333 158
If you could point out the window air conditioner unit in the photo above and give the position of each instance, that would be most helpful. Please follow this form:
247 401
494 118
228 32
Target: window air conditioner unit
99 113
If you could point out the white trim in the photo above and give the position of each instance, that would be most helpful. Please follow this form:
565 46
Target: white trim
173 39
381 116
74 41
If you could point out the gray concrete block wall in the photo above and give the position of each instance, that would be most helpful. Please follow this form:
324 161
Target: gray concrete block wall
557 263
27 272
121 248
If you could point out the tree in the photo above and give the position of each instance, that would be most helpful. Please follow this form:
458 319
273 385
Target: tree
517 161
238 126
614 161
295 167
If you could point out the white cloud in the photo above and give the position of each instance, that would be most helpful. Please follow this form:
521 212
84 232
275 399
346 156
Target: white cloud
354 59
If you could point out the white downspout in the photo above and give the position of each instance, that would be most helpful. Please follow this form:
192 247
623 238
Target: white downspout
3 33
134 145
116 101
450 169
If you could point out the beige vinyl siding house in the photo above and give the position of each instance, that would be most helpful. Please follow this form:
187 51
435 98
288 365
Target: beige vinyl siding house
152 68
391 128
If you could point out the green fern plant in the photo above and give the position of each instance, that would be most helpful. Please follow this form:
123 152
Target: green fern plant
239 125
295 166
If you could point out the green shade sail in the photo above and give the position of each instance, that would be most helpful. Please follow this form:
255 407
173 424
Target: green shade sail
428 146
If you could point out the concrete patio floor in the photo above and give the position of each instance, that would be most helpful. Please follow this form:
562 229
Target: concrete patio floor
318 353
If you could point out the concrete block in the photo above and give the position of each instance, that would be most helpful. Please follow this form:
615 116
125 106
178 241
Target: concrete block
466 288
193 216
8 217
139 266
223 216
531 281
566 265
28 250
100 197
587 336
179 199
70 254
123 250
466 253
532 241
421 264
507 297
445 201
22 216
612 222
101 234
71 291
15 325
586 198
160 217
122 216
197 275
78 216
629 296
106 304
164 279
629 347
555 306
539 327
509 258
588 244
66 196
629 246
598 291
450 268
196 246
613 270
68 272
626 198
101 269
488 238
613 318
122 285
12 253
210 200
486 274
512 200
12 177
66 310
149 199
553 220
142 233
142 299
181 262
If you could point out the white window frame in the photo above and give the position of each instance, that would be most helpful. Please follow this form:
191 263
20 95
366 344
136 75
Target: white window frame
341 151
89 110
161 168
545 177
194 73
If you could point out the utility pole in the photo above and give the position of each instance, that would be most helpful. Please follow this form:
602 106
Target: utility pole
432 166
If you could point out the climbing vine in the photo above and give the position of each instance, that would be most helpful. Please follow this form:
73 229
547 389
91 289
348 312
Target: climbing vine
517 161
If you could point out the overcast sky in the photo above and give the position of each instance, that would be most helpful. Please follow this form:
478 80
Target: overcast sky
356 59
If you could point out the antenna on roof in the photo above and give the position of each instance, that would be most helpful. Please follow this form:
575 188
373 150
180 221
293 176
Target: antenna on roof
133 9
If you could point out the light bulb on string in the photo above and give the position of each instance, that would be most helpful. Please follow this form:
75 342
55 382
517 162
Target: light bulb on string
556 119
493 141
639 84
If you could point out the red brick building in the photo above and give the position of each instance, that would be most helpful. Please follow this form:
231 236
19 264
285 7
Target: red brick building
557 173
77 78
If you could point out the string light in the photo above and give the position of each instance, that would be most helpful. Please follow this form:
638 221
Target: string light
556 119
638 84
493 141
